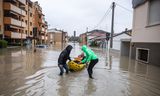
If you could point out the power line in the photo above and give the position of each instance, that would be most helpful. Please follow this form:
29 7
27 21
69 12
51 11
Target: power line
105 15
124 7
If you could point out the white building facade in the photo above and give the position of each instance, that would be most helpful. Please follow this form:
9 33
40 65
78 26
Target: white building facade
145 42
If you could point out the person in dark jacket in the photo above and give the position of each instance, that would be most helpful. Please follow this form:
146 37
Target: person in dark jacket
63 57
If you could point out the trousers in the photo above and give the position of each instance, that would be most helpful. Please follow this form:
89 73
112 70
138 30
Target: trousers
62 67
90 67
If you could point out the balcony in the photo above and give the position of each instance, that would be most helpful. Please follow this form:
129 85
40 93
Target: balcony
43 30
22 1
18 35
9 20
9 6
15 35
12 21
42 37
7 33
23 24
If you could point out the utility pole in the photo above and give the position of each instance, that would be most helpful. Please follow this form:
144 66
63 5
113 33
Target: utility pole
86 36
112 25
62 40
74 36
34 37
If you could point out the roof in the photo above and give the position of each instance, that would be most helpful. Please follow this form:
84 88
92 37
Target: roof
127 32
97 32
98 38
54 30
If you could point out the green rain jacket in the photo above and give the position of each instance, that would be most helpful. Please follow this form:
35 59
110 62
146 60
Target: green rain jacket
90 55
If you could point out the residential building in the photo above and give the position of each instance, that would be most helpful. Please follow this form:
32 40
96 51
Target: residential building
18 18
120 42
39 22
117 37
14 14
57 36
83 39
1 19
97 38
29 21
145 43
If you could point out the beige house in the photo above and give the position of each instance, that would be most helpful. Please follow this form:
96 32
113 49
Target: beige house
57 36
83 39
145 42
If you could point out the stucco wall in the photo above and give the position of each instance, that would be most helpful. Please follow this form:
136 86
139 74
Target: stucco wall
141 32
154 56
117 41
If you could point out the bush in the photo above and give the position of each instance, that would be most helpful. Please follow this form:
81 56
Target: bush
3 44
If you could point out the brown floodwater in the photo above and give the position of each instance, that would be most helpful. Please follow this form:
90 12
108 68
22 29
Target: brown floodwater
25 73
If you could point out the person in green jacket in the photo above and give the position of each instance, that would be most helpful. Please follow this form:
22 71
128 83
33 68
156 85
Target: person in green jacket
91 59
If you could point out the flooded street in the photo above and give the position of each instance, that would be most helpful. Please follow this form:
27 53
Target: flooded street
25 73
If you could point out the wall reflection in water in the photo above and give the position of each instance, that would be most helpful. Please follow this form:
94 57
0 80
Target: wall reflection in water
144 79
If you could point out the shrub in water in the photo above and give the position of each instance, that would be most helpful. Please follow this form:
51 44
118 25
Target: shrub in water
3 44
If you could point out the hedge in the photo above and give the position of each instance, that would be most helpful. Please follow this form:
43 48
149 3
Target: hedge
3 44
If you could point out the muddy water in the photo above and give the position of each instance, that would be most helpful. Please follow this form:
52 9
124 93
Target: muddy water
25 73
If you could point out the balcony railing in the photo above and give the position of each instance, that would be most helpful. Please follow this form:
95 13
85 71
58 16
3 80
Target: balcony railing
18 35
15 35
7 33
12 21
9 6
9 20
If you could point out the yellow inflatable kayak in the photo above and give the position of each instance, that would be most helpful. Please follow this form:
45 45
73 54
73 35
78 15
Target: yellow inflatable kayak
73 66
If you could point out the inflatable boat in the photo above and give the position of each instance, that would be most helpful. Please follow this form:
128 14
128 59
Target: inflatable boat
75 66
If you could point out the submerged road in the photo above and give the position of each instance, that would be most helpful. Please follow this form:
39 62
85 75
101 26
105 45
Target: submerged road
25 73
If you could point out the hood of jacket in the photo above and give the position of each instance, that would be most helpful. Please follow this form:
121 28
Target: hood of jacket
69 48
84 48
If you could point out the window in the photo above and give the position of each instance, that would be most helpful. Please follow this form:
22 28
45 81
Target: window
142 55
30 32
40 16
26 21
26 31
154 13
30 14
30 23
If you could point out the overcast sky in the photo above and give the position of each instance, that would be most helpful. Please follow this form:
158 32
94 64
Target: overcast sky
70 15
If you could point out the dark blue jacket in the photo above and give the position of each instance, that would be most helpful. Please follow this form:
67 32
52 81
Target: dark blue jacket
64 56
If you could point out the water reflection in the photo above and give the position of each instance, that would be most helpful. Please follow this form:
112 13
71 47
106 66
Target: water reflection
16 64
63 87
24 72
144 79
124 63
90 88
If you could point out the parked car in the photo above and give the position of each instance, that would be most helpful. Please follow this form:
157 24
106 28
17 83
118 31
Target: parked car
42 46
